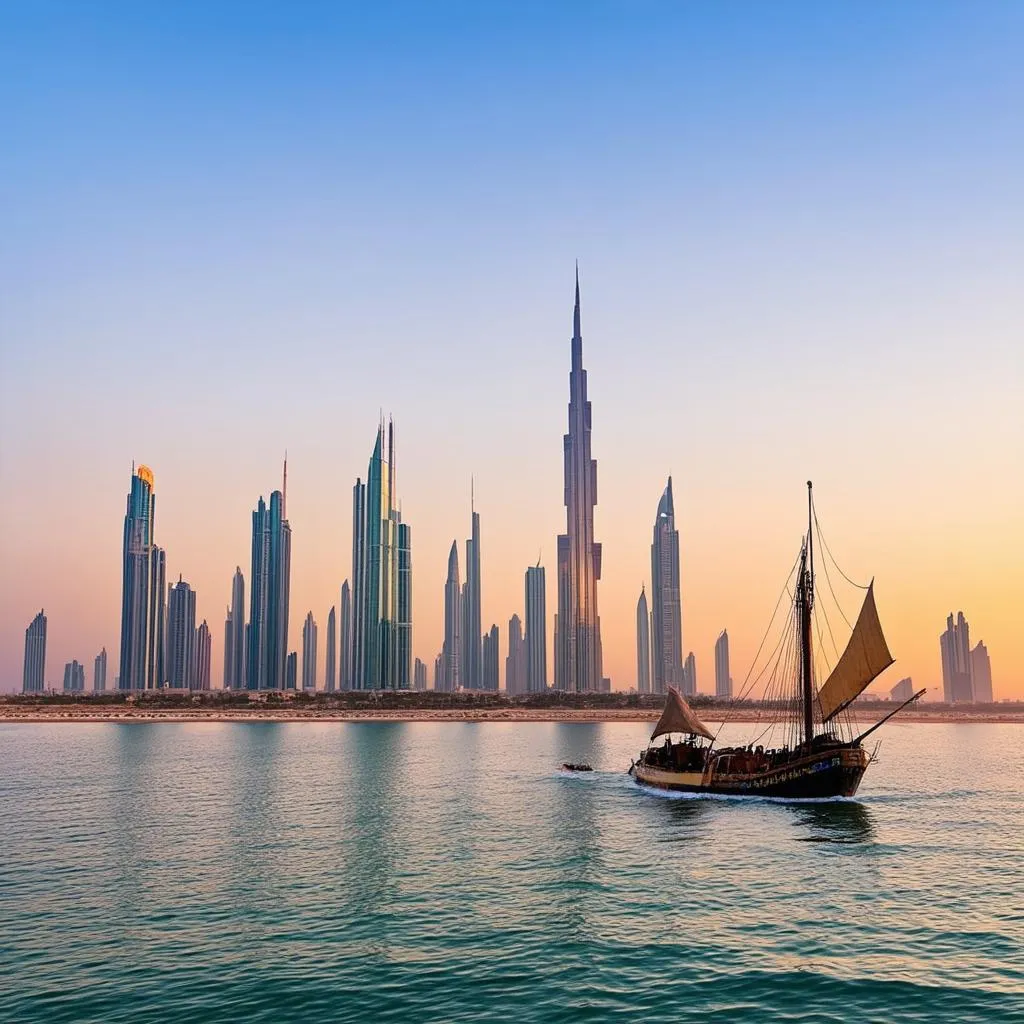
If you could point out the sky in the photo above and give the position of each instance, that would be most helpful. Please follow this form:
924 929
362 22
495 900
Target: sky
235 229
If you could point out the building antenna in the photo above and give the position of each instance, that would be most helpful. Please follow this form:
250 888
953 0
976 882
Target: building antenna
472 494
284 490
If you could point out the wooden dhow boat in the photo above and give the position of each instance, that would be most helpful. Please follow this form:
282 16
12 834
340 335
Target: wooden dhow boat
809 746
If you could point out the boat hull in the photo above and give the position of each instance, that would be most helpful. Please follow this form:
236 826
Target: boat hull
829 773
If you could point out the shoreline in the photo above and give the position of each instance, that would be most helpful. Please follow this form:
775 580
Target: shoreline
64 714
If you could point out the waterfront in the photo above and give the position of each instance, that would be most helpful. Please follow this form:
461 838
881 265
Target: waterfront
448 871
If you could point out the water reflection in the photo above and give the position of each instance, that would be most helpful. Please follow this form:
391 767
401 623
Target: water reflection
838 821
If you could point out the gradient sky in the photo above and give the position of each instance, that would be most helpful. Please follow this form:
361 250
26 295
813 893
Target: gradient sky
232 229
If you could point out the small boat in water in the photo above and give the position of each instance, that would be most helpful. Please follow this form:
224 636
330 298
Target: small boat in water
818 751
569 766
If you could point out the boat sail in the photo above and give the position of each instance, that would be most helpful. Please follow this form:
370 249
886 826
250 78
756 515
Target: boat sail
820 753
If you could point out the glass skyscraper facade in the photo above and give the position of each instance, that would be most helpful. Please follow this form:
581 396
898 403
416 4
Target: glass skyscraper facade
667 613
34 671
269 591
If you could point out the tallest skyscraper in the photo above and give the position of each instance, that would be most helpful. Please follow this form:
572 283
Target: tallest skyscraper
578 625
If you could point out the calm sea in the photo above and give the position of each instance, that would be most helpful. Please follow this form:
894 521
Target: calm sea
449 872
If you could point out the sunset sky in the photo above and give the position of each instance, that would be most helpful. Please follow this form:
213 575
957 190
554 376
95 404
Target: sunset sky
235 229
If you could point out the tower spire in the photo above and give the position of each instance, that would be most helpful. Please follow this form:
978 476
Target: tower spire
576 310
284 488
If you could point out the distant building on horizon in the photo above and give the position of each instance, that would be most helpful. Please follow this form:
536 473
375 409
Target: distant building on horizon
234 635
578 656
33 674
723 680
689 681
331 666
143 589
269 593
345 651
515 661
981 674
536 630
203 655
643 644
181 636
419 675
381 576
955 648
903 690
491 660
291 669
309 632
74 677
451 648
666 612
437 673
471 672
99 672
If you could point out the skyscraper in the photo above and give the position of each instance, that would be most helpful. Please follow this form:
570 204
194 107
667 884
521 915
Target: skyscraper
437 673
515 663
470 667
723 680
491 660
234 636
99 672
142 590
345 673
903 690
666 614
331 668
270 587
981 674
74 677
181 636
419 675
577 625
536 630
689 680
643 644
291 666
203 653
955 647
309 653
451 650
34 671
381 577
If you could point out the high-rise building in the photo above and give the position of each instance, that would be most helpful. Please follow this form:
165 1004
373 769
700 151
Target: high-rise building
181 636
74 677
437 672
331 668
643 644
99 672
471 664
309 653
723 680
491 659
269 594
234 636
955 647
666 613
291 668
203 653
578 664
451 650
689 680
981 674
419 675
515 663
903 690
345 670
33 676
143 589
381 577
536 630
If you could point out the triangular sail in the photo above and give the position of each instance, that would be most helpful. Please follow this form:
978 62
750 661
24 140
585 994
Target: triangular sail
678 716
866 655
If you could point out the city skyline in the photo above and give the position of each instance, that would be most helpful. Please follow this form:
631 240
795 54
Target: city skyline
748 267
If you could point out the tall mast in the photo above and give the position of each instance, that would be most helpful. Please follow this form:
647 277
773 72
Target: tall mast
806 598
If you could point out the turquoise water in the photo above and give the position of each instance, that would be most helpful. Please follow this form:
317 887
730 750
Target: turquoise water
449 872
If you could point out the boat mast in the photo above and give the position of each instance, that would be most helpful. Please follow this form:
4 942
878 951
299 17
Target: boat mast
806 598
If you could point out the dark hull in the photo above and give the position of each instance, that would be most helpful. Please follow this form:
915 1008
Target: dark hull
828 774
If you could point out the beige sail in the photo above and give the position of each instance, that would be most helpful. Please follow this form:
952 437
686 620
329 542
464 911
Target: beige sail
866 655
678 716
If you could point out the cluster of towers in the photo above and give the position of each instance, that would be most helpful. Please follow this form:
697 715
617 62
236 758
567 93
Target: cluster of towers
966 670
